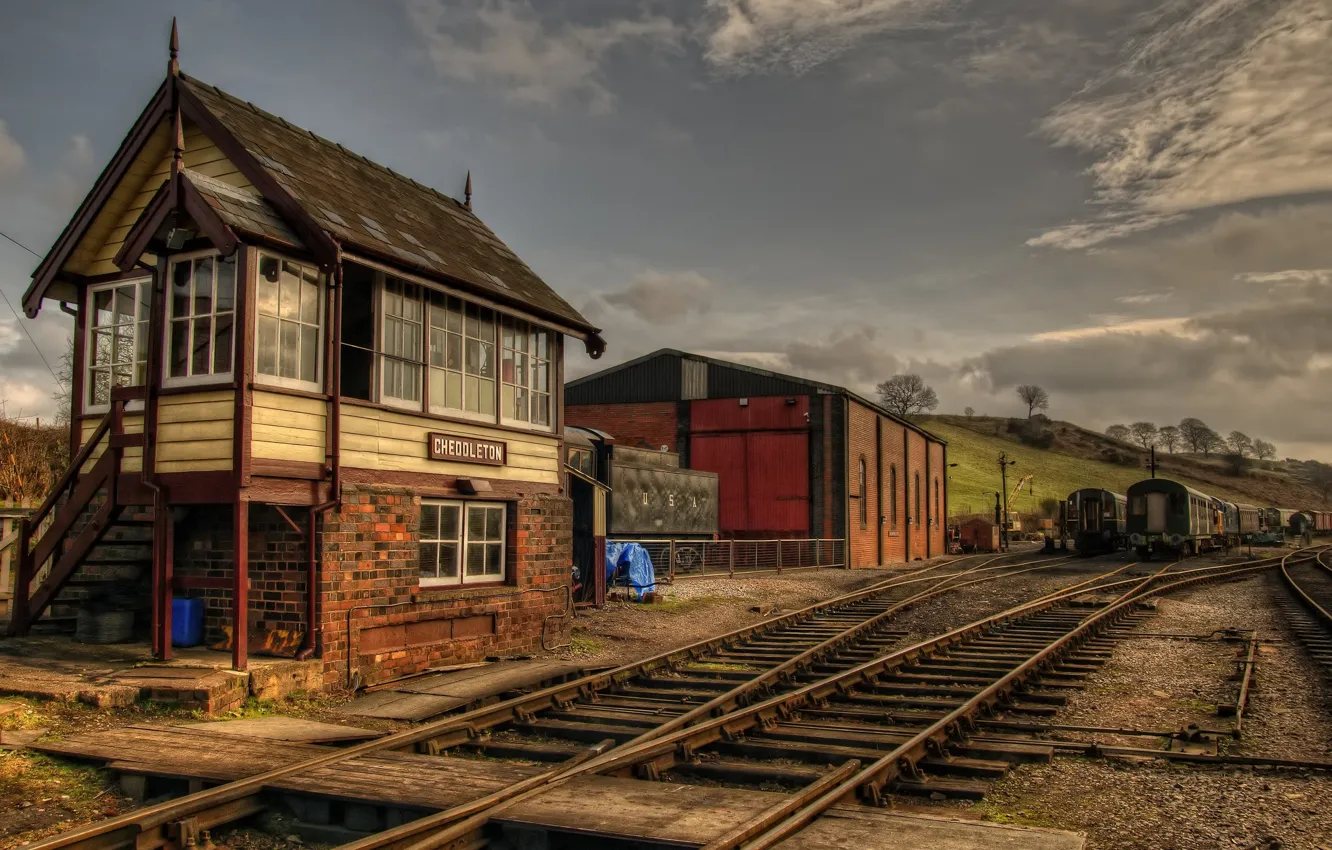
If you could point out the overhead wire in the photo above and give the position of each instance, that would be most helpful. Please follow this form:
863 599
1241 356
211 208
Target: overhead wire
21 323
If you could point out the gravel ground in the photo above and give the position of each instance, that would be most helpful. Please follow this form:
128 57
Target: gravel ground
1162 683
693 609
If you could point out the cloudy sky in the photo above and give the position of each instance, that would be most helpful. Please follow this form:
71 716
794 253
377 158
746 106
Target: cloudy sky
1126 201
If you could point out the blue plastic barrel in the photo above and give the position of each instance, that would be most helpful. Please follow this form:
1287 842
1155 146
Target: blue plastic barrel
187 621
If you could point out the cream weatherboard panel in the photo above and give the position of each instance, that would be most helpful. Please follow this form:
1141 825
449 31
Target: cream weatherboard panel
194 431
98 248
287 427
393 441
131 459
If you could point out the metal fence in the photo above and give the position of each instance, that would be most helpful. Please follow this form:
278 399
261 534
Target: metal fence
674 559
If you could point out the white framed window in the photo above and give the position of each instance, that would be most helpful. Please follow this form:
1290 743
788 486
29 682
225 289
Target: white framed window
116 345
525 397
400 344
200 319
462 357
289 314
462 543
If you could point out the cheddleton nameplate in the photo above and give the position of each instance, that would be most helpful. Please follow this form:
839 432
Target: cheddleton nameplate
466 449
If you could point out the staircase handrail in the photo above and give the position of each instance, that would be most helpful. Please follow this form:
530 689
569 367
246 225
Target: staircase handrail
114 416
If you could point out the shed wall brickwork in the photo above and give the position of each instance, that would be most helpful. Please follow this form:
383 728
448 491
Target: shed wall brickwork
862 507
920 546
895 505
647 425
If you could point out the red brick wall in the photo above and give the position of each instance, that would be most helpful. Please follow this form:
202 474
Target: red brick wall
369 566
894 533
649 425
938 509
863 545
204 561
919 529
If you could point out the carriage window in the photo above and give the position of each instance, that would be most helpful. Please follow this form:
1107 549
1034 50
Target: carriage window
582 460
1139 505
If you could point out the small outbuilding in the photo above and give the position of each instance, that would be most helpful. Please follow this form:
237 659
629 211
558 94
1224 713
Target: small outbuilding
979 535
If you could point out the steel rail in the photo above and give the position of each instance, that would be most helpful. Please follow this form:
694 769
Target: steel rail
420 833
684 742
1302 596
235 799
935 738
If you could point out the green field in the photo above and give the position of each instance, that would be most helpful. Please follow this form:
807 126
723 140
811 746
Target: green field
973 483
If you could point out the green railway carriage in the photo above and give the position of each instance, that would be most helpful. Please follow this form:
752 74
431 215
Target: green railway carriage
1166 516
1096 521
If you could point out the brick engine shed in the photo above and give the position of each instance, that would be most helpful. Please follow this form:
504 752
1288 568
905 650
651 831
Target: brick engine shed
796 458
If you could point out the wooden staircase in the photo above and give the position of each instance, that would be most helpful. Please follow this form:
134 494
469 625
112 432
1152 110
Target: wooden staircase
89 526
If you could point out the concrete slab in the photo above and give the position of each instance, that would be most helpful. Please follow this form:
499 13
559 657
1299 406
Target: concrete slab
288 729
17 739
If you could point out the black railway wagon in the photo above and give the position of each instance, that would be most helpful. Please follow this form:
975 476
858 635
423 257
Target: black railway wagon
1097 521
1166 516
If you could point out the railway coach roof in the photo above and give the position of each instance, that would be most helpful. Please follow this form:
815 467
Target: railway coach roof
1165 485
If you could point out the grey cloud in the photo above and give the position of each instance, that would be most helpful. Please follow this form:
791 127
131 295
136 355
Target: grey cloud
664 297
505 43
1211 105
854 358
743 36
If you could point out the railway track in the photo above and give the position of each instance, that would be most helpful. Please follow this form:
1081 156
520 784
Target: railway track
777 703
807 636
1308 606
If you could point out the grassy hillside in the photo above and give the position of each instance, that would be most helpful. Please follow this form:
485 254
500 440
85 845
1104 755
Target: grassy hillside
1074 460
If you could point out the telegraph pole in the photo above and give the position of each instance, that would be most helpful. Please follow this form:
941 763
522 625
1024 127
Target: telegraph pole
1151 464
1004 464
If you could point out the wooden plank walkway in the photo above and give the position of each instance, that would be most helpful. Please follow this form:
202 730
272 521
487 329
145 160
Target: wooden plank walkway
402 779
428 696
287 729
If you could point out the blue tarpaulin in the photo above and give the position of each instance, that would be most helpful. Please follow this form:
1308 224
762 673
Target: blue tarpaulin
631 565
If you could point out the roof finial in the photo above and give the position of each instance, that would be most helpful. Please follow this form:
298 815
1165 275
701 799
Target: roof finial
467 191
173 66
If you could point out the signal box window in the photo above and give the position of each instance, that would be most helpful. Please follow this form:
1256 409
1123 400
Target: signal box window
201 311
290 318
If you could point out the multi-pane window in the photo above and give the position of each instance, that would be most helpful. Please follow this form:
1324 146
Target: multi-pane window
525 369
462 542
117 353
289 312
200 321
400 343
462 356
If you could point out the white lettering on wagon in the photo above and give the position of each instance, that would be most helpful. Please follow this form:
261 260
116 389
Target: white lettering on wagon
466 449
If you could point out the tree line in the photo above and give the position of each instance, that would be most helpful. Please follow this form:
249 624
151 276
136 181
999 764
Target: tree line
1194 435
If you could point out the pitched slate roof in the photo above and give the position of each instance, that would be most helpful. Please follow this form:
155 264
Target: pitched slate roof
369 207
243 210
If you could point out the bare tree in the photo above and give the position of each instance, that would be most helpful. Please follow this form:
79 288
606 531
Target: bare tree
1239 443
1033 397
1169 437
1118 432
1320 476
969 411
1263 450
1193 433
1210 441
1144 433
906 394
